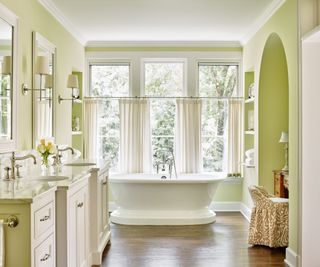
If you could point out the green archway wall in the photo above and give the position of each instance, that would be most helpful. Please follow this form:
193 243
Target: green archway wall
273 109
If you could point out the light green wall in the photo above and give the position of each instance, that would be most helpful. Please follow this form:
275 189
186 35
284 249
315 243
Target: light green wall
70 56
284 22
228 192
273 110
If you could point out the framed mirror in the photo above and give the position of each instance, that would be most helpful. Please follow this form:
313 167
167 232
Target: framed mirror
43 66
8 79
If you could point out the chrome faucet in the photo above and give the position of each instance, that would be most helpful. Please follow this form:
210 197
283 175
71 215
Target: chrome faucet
170 161
13 163
58 156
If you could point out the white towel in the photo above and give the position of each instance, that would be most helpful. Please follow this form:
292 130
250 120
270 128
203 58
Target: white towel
2 244
250 153
249 161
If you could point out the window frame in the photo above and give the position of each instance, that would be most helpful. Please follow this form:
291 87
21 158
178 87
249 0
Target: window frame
102 62
109 62
191 60
240 92
221 62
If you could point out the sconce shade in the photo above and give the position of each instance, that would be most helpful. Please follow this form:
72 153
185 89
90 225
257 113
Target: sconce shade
6 65
284 138
48 81
42 65
73 81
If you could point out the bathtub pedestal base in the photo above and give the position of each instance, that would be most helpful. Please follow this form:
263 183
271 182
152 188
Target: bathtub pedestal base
160 217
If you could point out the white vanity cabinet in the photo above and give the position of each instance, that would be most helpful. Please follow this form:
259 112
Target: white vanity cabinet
43 230
73 223
32 242
99 228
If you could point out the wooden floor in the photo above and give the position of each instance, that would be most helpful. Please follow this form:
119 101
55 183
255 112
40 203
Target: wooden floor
221 244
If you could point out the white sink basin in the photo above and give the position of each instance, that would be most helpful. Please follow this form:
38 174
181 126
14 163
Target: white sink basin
75 164
51 178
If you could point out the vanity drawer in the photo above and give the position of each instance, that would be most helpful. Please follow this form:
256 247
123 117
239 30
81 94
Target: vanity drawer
43 219
44 254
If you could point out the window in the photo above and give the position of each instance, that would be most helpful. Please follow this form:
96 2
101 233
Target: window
109 80
216 80
163 79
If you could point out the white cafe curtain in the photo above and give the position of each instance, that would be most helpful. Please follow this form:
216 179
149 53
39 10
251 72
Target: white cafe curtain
188 148
135 136
234 136
91 109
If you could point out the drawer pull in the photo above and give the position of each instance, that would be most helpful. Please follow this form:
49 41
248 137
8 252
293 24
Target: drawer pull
80 204
45 257
45 218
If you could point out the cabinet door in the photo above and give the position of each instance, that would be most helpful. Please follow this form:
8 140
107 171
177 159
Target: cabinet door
77 229
81 229
104 213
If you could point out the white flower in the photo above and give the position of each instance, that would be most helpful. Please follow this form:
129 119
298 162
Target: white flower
41 148
53 149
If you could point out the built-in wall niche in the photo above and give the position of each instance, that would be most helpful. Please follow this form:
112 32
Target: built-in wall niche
273 109
77 116
249 118
8 79
43 65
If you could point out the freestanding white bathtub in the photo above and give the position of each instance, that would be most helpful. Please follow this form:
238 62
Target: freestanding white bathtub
146 199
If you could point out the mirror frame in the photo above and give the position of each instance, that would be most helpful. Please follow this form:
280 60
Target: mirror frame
39 40
12 19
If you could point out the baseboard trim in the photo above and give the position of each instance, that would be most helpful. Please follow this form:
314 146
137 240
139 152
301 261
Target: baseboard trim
215 206
245 211
225 206
291 258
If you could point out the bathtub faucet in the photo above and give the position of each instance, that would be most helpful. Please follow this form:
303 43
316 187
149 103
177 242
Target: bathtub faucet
169 161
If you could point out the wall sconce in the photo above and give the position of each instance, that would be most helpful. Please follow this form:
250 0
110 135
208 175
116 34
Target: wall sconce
6 66
285 139
72 83
42 69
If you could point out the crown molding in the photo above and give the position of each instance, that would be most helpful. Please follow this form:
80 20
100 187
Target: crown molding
235 44
262 20
61 18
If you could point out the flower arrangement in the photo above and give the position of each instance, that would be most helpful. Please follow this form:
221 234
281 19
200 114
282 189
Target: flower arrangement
45 151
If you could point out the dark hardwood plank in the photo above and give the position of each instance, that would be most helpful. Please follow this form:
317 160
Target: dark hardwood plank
221 244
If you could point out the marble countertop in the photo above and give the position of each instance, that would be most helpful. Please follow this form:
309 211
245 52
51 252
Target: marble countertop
35 181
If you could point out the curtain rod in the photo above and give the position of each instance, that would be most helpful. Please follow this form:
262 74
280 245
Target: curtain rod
164 97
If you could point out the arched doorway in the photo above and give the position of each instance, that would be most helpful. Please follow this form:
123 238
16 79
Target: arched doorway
273 109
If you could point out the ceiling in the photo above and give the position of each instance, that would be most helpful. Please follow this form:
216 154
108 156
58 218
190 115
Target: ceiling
164 20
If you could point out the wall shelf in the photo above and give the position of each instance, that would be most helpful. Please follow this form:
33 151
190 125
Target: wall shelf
77 101
249 100
76 132
247 165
